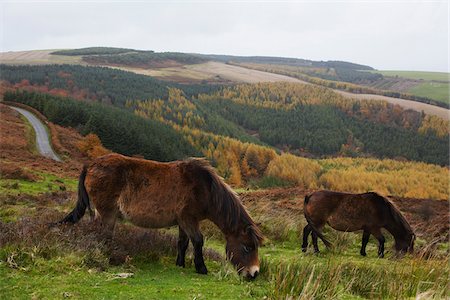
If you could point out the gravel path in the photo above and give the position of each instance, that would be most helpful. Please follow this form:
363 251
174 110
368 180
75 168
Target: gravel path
42 137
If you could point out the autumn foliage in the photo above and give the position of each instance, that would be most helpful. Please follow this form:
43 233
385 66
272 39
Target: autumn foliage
91 146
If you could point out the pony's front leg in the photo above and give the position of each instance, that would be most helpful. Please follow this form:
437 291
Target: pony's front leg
365 240
197 242
192 230
183 242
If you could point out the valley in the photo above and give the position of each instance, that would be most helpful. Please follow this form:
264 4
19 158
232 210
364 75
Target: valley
273 137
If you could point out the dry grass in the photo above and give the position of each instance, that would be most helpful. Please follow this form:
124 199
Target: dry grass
29 239
10 171
37 57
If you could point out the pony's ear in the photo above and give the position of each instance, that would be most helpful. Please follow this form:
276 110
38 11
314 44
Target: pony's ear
247 230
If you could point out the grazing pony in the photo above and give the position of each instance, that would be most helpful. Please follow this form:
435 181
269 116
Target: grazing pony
351 212
154 195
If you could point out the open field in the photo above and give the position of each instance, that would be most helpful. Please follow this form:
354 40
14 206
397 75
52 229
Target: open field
408 104
419 75
433 90
37 57
211 72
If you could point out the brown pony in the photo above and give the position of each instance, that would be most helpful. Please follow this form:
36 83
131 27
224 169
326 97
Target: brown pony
154 195
351 212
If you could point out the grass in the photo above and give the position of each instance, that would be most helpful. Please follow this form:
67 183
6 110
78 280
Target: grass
37 57
438 76
434 90
157 280
37 272
46 183
72 261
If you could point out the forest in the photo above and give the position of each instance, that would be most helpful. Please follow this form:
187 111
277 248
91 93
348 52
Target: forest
302 119
351 80
93 51
240 163
144 59
99 84
119 130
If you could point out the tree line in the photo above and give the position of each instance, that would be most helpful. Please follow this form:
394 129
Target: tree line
100 84
119 130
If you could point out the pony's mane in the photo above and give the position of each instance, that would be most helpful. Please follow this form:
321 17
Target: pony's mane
394 212
225 203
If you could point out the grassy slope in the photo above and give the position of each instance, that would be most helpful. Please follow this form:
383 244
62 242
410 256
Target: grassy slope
429 88
438 76
286 271
435 90
55 269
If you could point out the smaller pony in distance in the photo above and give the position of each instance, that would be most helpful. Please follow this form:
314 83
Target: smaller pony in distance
153 194
368 212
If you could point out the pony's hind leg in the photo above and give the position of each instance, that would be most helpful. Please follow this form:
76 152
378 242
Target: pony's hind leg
379 236
315 244
306 232
192 230
183 242
365 240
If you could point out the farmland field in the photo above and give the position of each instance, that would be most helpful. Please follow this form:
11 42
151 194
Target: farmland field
419 75
434 90
37 57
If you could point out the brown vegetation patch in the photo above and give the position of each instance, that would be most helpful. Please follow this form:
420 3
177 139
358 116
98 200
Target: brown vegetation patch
86 237
10 171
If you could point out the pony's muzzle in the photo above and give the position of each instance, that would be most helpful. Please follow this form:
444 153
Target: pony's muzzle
251 273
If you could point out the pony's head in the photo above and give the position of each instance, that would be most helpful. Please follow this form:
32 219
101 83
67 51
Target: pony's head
405 243
242 250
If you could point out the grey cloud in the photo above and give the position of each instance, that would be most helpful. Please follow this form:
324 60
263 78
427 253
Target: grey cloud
397 35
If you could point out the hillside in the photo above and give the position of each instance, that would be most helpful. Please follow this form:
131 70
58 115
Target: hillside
375 129
434 85
74 262
225 69
197 128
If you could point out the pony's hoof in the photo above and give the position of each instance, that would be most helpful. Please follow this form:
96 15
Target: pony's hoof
363 253
179 264
304 249
202 270
381 255
316 251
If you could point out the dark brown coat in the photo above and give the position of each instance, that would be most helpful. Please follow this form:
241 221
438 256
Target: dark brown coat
368 212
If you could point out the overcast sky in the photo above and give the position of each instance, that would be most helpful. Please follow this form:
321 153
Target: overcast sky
387 35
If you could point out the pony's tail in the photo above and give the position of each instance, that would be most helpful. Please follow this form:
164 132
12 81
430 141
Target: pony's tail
313 227
83 202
